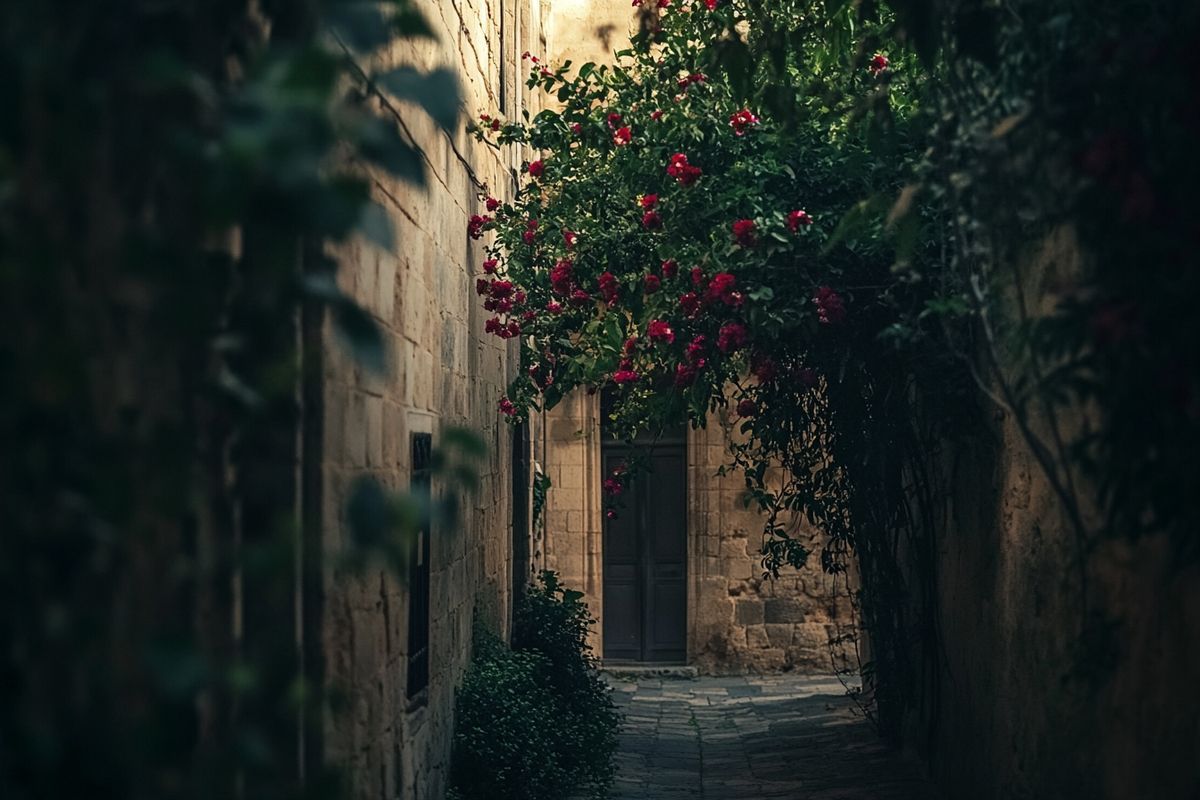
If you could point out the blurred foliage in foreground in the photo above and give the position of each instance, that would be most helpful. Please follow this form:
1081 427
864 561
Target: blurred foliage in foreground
169 174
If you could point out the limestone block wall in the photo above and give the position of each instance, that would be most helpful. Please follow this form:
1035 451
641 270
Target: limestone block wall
737 620
741 620
1043 690
444 371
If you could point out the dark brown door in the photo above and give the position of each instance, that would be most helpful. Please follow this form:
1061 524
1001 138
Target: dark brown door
645 560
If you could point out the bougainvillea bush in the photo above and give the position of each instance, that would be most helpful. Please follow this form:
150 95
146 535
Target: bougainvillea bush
675 244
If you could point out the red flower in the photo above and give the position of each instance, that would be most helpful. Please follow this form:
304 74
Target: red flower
878 63
580 298
831 308
609 287
695 349
554 307
695 77
690 304
697 276
492 204
630 345
506 407
721 289
561 278
652 283
611 514
529 236
576 128
569 238
669 267
798 218
623 136
493 325
743 232
747 408
731 337
763 368
481 286
614 120
685 376
682 171
490 266
656 115
495 124
613 486
501 289
711 5
648 200
651 221
660 331
476 224
742 120
624 376
536 168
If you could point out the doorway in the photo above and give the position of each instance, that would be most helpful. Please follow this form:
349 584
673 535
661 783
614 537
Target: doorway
645 554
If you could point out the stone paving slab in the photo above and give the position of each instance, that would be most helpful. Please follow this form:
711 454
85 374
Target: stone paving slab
753 738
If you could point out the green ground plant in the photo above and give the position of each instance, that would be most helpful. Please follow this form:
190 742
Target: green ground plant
535 720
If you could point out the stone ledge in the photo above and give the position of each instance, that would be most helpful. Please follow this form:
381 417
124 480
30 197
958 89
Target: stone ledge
636 671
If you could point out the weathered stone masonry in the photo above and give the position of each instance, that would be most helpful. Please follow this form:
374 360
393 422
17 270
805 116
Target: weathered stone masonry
444 371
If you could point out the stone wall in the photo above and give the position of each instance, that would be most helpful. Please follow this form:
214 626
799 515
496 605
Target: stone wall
1042 690
444 371
737 620
742 621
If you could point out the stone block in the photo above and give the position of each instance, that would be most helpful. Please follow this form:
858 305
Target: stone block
784 609
756 637
779 634
748 612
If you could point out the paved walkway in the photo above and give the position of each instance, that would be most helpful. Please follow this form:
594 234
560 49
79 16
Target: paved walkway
752 738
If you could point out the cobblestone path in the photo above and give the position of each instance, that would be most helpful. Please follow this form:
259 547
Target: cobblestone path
752 738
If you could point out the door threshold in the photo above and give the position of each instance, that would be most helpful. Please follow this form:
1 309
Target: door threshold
634 670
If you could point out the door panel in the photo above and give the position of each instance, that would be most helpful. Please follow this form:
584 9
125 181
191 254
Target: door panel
645 561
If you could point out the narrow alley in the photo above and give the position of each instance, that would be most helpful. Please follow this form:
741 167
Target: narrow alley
744 738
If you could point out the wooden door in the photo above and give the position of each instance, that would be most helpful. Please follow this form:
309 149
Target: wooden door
645 560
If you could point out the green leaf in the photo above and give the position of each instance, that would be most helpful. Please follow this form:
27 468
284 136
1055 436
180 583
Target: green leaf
375 224
379 142
436 91
363 26
362 335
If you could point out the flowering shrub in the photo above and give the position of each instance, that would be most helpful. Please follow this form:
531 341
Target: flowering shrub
677 245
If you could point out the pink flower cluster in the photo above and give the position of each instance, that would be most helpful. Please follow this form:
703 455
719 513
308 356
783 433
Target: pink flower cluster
503 299
831 308
799 218
732 337
682 171
660 331
742 121
743 232
610 288
476 224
